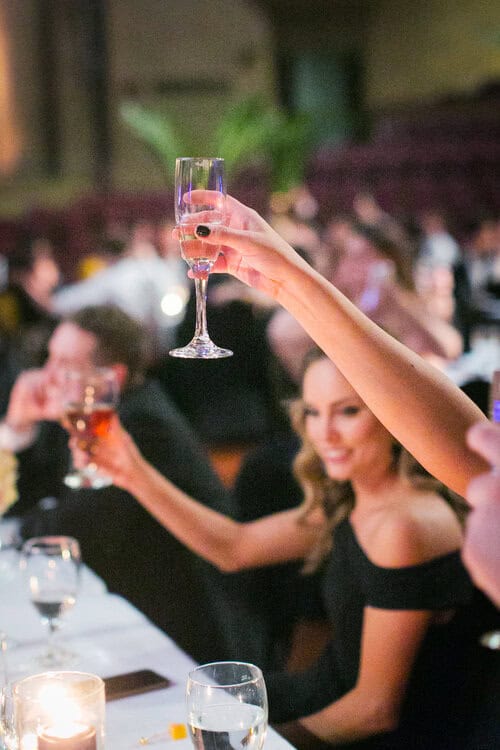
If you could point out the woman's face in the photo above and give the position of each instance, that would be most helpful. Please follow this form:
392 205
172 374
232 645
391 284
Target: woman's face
350 441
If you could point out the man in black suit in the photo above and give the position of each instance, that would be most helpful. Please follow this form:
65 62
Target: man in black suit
203 610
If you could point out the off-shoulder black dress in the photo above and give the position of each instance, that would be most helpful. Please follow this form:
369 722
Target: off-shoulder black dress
442 695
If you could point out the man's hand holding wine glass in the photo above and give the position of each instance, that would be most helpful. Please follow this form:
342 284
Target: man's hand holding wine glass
35 396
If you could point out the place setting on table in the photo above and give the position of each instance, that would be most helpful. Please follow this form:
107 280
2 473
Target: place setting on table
225 707
114 680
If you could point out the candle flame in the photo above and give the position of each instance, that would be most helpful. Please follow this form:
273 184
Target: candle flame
55 702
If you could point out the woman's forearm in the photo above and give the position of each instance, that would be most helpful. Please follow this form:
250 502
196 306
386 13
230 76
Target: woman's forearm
417 403
352 717
206 532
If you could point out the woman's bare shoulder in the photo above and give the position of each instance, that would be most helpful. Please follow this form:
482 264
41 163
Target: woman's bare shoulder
411 533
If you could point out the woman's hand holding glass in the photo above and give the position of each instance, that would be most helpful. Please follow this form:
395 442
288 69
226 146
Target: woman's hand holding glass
251 250
117 456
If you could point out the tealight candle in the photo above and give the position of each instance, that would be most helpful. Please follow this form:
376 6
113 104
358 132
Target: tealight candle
60 711
67 737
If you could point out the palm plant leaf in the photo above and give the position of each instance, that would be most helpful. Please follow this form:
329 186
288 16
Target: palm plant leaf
289 150
156 131
244 133
251 131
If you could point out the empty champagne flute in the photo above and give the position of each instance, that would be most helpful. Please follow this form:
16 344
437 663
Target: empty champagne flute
51 565
89 400
227 706
193 177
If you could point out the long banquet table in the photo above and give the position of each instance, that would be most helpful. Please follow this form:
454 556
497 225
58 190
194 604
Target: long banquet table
110 637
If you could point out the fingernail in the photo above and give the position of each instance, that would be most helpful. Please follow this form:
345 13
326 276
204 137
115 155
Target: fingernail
202 230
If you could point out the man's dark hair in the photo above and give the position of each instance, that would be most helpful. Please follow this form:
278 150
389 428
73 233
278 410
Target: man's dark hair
120 338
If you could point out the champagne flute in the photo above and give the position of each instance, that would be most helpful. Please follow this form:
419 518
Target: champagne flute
51 565
227 706
199 174
89 401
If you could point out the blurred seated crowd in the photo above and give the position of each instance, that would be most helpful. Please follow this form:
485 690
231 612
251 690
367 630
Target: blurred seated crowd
434 289
220 430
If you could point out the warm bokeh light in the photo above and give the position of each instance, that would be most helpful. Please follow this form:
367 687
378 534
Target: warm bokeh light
10 138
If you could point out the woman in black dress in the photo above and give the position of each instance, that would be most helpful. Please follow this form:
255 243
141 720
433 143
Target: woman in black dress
396 592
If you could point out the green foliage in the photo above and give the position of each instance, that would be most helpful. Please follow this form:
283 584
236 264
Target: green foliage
290 148
156 132
249 132
244 134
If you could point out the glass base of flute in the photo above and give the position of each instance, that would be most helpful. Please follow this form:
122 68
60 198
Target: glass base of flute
201 345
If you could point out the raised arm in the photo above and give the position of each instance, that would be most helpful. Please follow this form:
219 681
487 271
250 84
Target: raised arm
417 403
227 544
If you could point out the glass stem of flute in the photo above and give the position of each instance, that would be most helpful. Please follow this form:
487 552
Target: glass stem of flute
201 330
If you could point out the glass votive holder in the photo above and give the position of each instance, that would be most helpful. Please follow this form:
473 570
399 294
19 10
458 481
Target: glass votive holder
60 711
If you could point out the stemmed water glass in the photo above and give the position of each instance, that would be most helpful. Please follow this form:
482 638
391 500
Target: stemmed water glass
193 177
227 706
51 565
89 400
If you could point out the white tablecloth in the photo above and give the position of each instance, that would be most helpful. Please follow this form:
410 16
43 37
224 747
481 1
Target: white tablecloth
110 637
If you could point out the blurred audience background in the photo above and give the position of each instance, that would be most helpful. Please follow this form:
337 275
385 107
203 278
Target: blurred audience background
390 190
381 167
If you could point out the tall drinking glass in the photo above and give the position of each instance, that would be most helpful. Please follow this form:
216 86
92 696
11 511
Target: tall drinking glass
227 706
89 401
193 178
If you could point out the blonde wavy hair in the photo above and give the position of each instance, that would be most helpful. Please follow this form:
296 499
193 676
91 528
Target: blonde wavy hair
336 498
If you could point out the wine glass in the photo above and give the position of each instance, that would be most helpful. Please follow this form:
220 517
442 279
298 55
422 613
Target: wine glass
89 401
51 565
227 706
199 174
